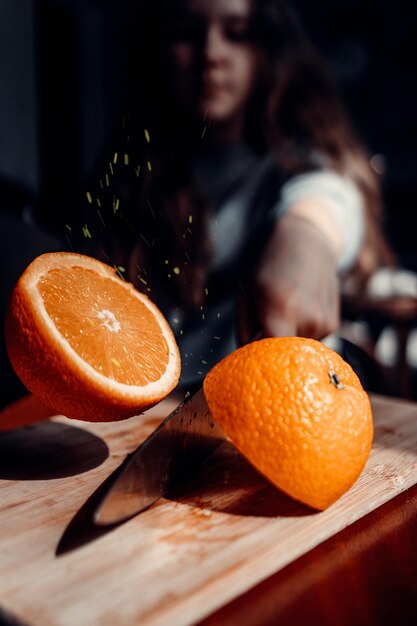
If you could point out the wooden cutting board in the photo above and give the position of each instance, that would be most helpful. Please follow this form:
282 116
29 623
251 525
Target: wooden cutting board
181 559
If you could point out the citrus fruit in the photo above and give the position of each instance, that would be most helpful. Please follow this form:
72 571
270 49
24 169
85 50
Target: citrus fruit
298 412
87 343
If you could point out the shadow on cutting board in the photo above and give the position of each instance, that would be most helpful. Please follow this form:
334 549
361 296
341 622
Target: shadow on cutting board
228 483
81 529
49 450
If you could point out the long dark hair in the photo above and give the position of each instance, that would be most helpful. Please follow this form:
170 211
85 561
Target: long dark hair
152 219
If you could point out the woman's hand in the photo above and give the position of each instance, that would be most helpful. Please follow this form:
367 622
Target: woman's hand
295 289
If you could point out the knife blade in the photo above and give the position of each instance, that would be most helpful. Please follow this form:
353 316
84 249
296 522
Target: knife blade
181 443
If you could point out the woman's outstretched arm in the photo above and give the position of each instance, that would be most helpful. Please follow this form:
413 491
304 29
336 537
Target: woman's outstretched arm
295 289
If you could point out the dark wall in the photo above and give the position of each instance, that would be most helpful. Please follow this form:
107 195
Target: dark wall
372 49
62 78
82 48
19 149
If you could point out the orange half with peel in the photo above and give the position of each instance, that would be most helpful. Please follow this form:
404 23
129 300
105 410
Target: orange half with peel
298 412
87 343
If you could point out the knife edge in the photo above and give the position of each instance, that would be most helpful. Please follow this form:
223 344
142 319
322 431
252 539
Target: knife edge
178 446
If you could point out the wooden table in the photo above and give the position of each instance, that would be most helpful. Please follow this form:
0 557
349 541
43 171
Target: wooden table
366 575
230 550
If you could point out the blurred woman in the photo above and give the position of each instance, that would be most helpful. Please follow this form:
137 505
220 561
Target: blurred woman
238 197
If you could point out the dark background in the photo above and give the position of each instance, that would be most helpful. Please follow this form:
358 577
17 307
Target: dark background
371 47
62 83
63 76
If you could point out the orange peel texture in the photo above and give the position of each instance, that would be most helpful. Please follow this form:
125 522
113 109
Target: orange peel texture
298 412
85 342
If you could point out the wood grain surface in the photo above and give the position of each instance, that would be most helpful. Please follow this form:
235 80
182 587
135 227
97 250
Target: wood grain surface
186 556
364 575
